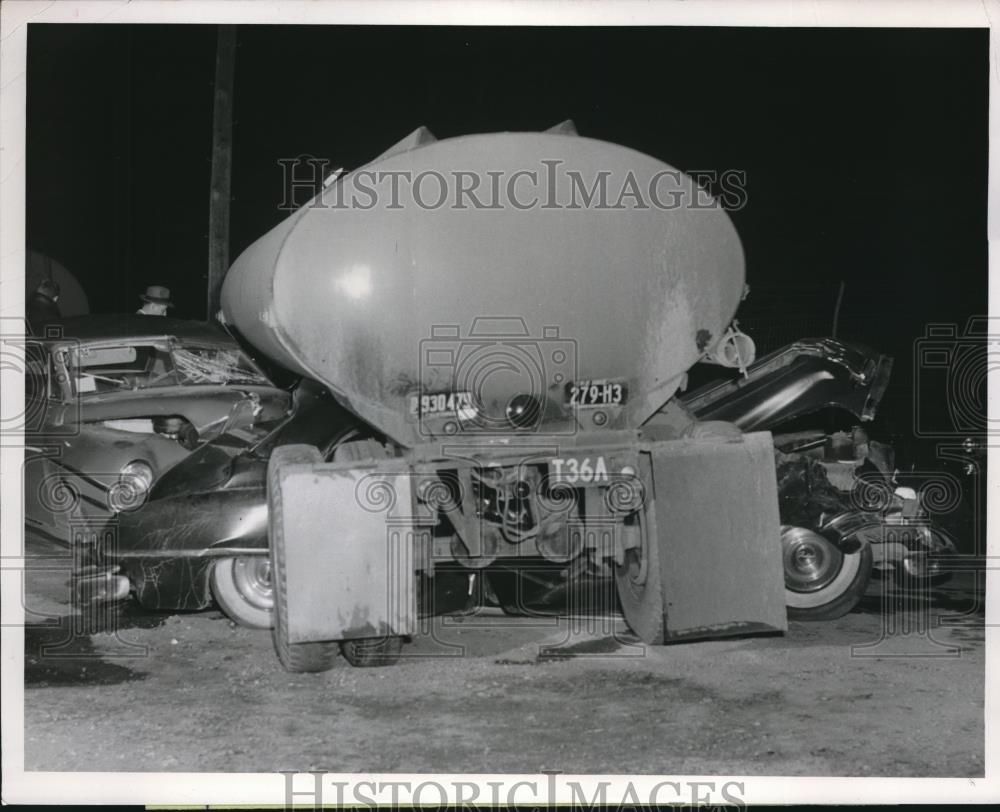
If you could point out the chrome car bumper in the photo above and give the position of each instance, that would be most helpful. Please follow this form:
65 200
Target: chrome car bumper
100 585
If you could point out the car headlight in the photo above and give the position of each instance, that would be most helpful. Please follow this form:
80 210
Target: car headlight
134 482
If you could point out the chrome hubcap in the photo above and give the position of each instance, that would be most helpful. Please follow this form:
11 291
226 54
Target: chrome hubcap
811 562
252 576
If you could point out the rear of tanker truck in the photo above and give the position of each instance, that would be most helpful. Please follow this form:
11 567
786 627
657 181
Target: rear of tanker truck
512 315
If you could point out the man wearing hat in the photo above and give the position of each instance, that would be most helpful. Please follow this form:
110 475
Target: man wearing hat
42 305
157 300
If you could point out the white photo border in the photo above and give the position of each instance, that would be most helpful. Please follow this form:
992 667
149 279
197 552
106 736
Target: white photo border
269 788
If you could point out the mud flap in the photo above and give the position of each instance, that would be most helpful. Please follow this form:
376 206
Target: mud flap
717 527
347 549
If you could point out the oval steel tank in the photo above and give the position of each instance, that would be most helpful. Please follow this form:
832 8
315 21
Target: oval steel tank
371 287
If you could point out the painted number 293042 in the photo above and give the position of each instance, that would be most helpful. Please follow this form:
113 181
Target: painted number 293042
458 403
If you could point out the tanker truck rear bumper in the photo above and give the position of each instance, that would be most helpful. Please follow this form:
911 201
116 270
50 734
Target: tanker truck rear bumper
689 528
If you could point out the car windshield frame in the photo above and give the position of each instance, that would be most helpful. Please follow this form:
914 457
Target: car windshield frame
174 374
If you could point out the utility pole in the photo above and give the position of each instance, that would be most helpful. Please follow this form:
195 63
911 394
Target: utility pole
836 310
222 166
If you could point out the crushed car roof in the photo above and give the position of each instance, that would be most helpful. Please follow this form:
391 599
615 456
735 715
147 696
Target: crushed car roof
113 326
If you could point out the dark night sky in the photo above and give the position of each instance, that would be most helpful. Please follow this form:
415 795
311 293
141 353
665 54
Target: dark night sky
865 149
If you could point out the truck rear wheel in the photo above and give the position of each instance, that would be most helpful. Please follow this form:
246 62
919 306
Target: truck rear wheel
354 444
821 582
295 657
638 578
372 652
640 589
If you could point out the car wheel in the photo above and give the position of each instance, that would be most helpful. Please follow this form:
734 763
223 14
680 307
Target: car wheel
372 652
242 587
821 582
294 657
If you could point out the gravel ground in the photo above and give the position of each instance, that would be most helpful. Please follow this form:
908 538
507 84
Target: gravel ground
894 689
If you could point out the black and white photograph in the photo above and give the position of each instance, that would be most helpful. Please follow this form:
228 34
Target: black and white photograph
496 403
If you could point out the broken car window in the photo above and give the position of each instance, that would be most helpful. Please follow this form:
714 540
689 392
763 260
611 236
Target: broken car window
103 369
216 365
98 370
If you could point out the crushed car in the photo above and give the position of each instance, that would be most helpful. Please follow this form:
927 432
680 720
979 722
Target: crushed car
844 515
115 402
200 535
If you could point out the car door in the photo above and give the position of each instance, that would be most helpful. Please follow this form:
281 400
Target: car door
49 509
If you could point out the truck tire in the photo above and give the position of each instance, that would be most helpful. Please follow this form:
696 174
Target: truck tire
353 444
640 589
356 445
639 579
821 582
372 652
294 657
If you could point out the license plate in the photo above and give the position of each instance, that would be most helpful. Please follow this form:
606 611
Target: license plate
596 393
459 404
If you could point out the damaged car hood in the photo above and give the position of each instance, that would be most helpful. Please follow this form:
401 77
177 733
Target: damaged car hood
209 408
804 377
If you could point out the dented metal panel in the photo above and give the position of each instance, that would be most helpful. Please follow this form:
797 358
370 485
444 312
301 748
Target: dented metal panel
802 378
349 554
351 295
717 526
